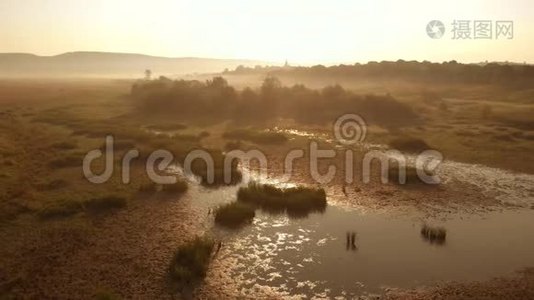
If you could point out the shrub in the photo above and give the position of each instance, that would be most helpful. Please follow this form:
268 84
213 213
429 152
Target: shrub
198 167
105 295
53 184
295 201
203 134
233 145
234 214
119 145
68 161
149 187
179 187
186 137
60 210
411 175
409 144
106 203
9 162
64 145
434 234
190 262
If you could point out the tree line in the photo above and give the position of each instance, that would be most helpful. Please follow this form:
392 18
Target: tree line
446 72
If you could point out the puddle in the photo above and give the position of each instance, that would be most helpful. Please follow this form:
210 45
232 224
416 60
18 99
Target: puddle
311 256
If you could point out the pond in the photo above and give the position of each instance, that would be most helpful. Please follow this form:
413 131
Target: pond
311 256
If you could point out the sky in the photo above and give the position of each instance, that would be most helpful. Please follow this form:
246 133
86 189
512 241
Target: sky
300 31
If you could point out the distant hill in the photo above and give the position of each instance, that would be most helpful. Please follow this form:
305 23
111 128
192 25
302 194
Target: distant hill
96 64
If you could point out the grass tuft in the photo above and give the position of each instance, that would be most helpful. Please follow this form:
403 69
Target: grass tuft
296 201
60 210
434 234
411 175
104 294
190 262
68 161
234 215
66 145
409 144
106 203
179 187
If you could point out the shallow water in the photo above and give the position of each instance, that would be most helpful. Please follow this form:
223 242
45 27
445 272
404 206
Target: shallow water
309 256
506 186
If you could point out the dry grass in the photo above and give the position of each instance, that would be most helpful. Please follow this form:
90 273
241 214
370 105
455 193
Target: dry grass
190 263
296 201
234 215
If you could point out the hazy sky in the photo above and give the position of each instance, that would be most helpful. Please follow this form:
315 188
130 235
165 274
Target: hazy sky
303 32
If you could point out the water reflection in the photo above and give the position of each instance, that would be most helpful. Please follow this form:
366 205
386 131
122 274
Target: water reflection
305 256
351 241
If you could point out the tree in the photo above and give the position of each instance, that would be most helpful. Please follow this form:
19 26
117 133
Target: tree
148 74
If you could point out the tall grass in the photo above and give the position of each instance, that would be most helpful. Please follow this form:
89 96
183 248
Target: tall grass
105 203
234 215
412 177
67 208
190 262
296 201
179 187
434 234
409 144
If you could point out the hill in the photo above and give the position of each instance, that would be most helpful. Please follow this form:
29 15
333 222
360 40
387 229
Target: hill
97 64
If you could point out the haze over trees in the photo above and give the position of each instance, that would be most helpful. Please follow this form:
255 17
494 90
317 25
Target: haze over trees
215 100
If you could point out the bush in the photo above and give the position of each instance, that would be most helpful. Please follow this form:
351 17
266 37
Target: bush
64 145
106 203
187 137
179 187
53 184
190 262
203 134
411 175
233 146
434 234
199 169
297 201
234 214
119 145
258 137
68 161
149 187
105 295
60 210
409 144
